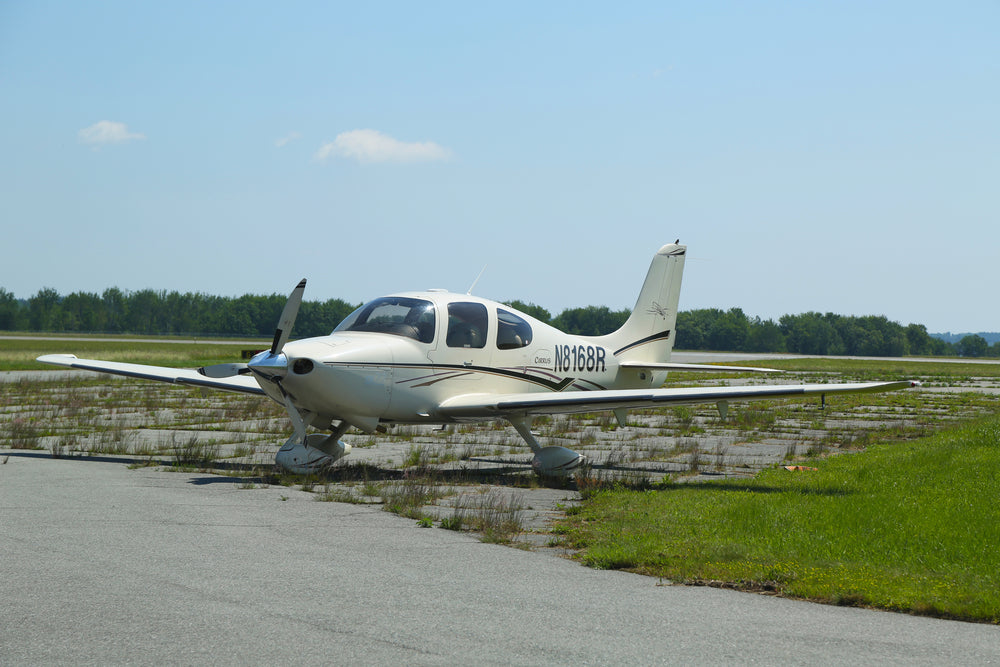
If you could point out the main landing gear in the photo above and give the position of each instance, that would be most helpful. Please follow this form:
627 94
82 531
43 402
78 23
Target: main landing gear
549 461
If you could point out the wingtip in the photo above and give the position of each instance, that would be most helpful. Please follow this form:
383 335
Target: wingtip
55 358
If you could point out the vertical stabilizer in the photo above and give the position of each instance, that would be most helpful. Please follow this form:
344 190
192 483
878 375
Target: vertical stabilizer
648 334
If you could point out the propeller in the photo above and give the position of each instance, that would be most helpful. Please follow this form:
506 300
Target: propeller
288 316
297 454
281 333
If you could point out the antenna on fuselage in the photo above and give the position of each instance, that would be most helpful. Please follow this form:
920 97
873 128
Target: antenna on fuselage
473 285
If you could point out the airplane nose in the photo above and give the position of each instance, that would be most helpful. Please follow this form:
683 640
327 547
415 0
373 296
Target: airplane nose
269 365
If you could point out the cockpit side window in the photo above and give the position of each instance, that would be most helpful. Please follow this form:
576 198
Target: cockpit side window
512 331
467 325
396 315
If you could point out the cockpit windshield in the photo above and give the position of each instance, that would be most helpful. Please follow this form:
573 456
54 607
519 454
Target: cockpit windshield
397 315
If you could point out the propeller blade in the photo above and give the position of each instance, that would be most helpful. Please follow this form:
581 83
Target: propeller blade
224 370
288 316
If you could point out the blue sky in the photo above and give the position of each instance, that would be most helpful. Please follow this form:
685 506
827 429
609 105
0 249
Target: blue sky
835 157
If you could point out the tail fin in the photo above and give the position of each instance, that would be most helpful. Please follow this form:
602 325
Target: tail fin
648 334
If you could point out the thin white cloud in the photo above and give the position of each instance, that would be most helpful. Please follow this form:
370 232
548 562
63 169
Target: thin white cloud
374 146
284 141
107 132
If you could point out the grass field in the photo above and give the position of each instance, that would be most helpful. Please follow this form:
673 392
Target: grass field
18 353
910 526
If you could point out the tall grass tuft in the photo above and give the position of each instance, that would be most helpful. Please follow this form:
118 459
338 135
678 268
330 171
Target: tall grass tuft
192 452
498 516
408 496
22 433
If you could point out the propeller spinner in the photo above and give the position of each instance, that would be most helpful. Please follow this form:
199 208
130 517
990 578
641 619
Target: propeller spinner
273 363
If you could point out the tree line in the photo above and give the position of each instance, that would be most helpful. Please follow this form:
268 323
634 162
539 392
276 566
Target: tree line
807 333
153 312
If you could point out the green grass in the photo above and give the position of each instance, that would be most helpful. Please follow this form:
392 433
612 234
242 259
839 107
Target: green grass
20 353
912 526
408 497
496 515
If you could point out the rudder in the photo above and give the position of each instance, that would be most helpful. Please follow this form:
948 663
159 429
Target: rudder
648 334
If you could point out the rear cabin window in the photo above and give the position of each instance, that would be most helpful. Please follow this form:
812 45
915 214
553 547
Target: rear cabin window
512 331
467 325
396 315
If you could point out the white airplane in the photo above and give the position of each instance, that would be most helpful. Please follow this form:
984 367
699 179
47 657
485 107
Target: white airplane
436 357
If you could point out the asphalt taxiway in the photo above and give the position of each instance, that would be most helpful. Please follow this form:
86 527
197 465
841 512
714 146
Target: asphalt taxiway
106 565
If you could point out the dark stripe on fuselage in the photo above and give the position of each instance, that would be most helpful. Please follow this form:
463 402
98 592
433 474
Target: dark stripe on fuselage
437 377
663 335
448 371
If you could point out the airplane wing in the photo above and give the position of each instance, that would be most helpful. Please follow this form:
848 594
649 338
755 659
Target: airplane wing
670 366
486 406
238 383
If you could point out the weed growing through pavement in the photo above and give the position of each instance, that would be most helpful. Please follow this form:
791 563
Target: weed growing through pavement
453 522
244 451
22 433
416 456
337 494
408 496
497 515
192 452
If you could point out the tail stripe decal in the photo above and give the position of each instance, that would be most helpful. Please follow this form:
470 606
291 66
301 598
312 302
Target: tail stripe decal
663 335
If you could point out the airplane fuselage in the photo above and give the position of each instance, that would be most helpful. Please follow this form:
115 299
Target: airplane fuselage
396 372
